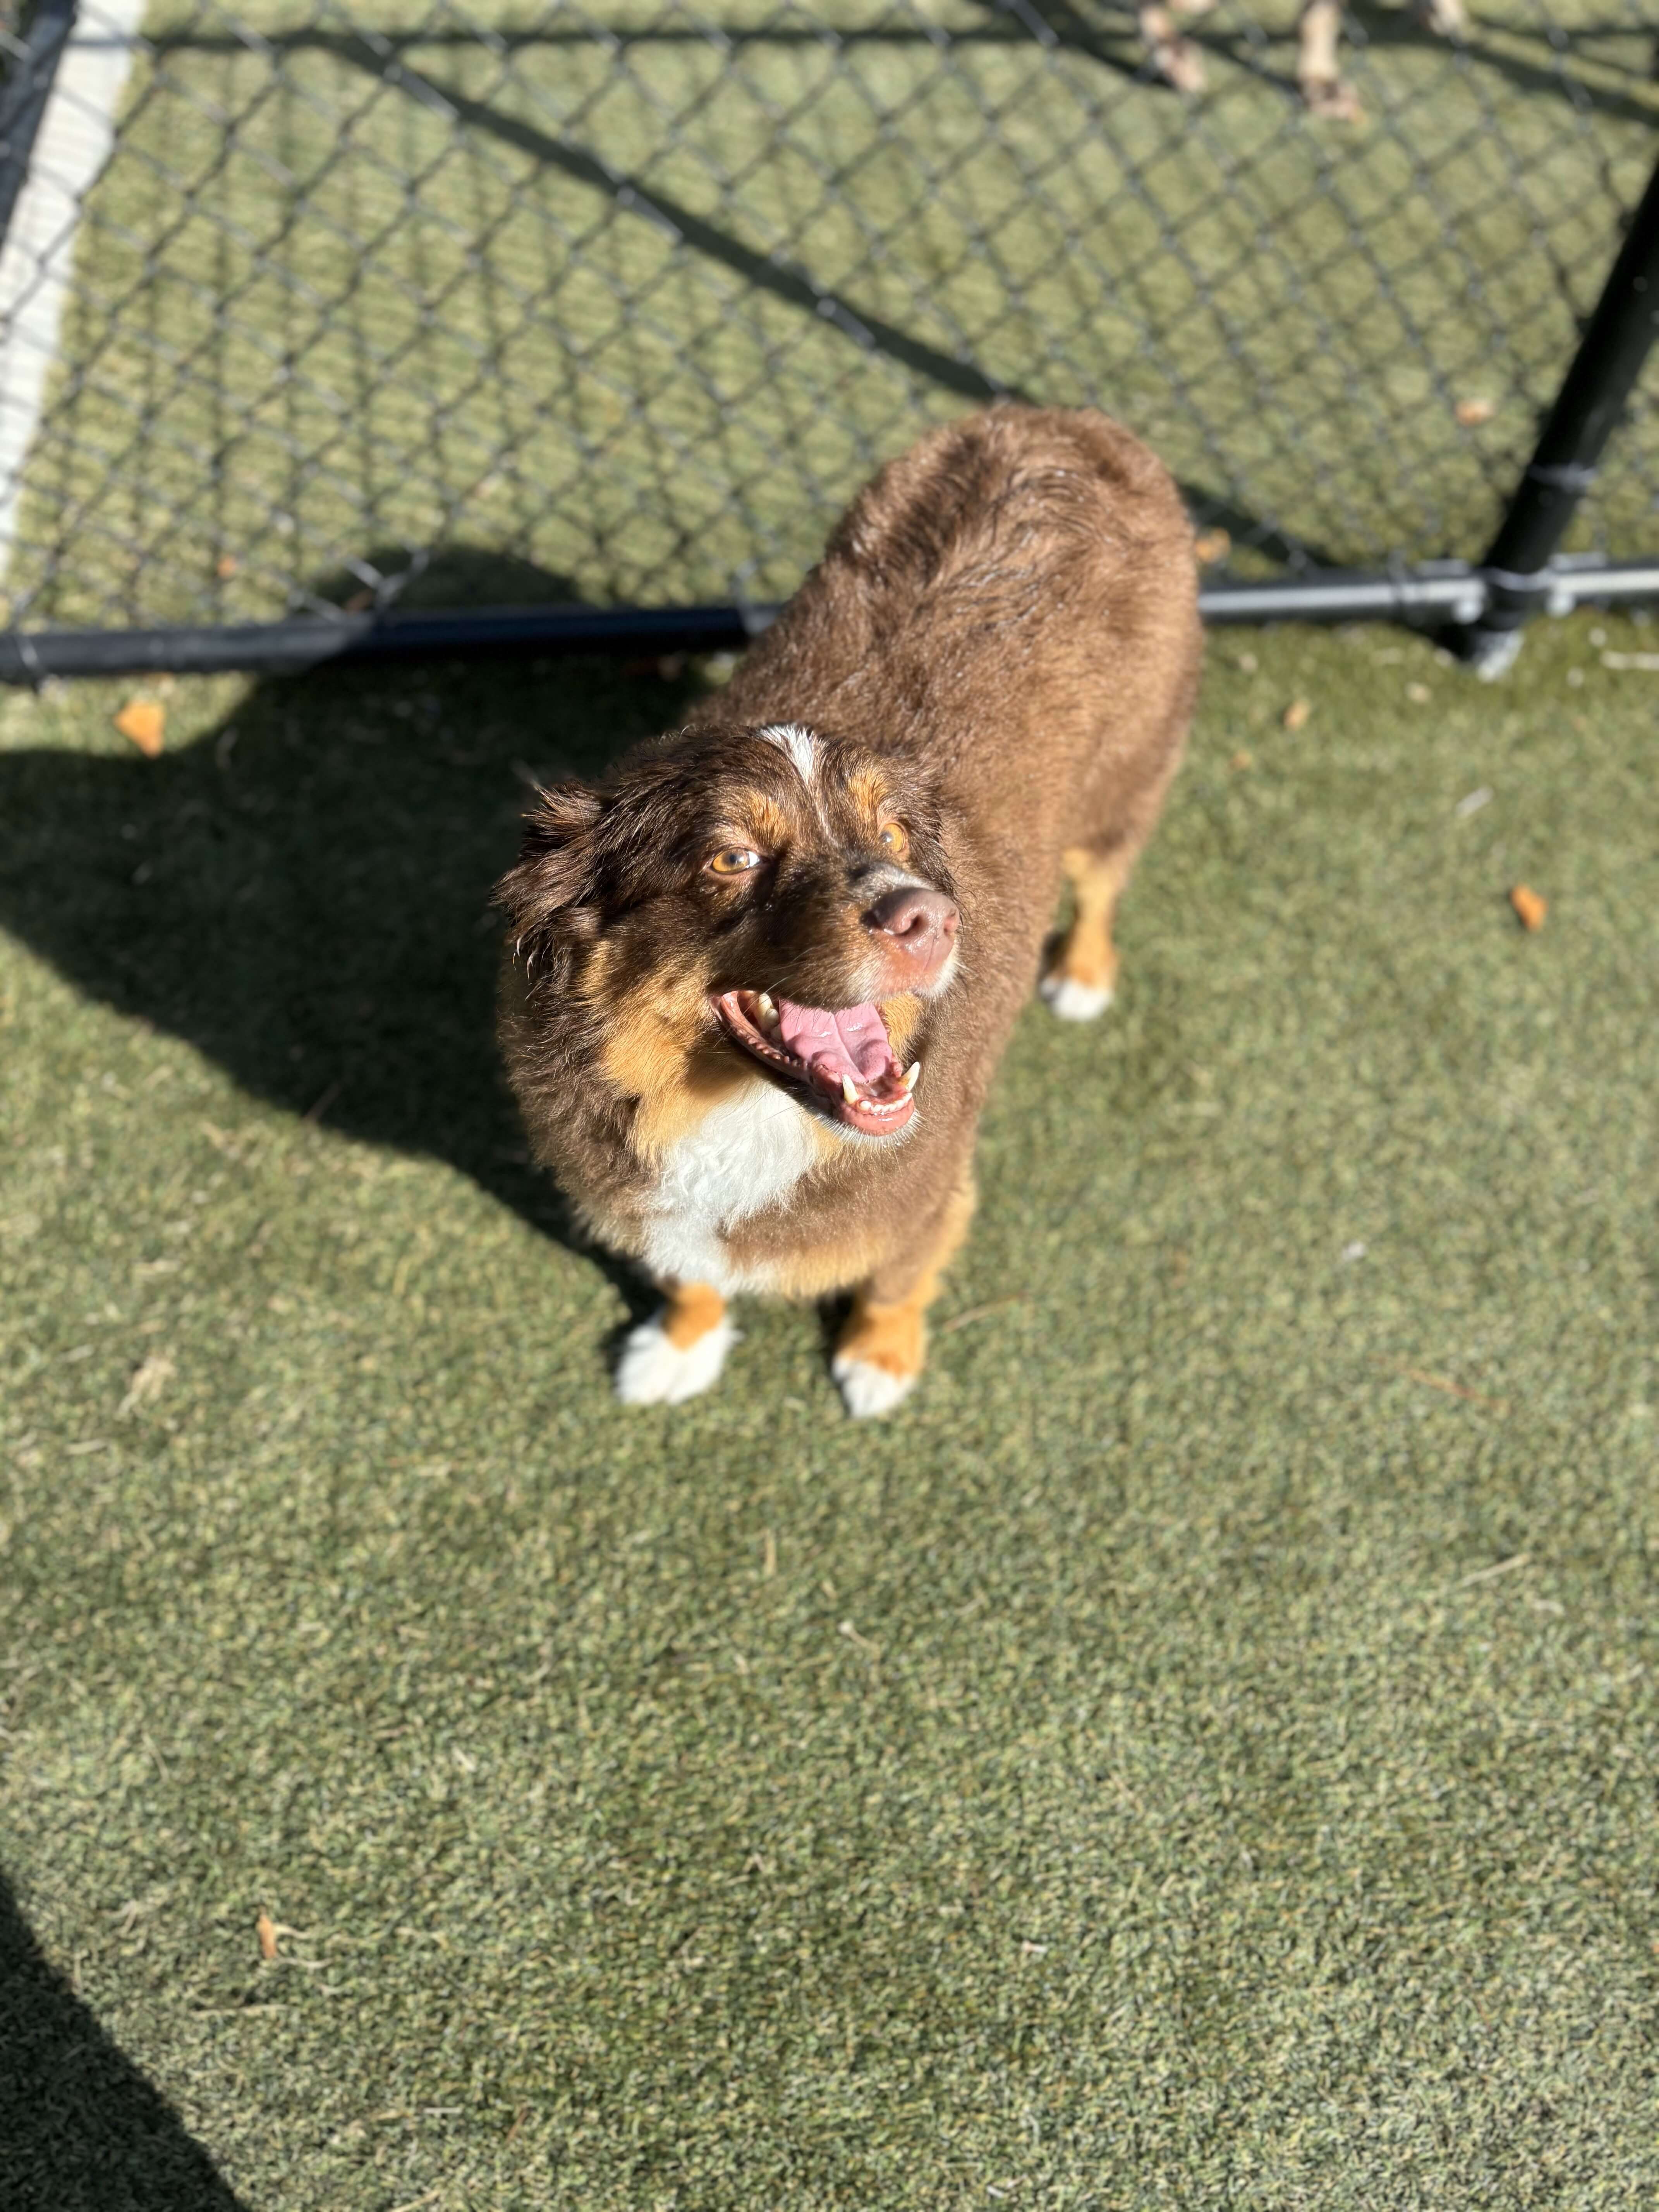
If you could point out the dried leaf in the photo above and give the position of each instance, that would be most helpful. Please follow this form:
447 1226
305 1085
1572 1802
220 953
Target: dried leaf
143 721
1473 411
1211 546
1241 760
150 1379
1296 714
1530 910
225 567
265 1928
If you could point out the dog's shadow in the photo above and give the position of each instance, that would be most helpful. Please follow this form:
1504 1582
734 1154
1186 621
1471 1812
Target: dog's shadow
302 892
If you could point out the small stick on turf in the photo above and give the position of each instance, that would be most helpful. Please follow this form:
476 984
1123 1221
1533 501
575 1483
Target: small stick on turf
315 1113
976 1313
1502 1567
1444 1383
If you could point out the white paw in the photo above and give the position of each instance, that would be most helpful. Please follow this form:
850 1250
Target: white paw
651 1371
1074 1001
866 1389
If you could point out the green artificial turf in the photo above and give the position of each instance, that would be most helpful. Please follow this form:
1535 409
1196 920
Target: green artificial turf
638 296
1202 1751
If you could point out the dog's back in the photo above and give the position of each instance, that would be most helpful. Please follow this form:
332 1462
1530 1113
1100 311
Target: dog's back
1015 599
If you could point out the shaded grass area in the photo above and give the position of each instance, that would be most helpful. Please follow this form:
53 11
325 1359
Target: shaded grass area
641 298
1203 1751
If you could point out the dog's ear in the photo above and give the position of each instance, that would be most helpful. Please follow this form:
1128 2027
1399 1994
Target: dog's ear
557 870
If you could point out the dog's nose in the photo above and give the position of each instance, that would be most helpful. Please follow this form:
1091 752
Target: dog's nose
922 923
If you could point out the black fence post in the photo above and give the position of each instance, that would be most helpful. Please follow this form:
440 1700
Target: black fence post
1562 467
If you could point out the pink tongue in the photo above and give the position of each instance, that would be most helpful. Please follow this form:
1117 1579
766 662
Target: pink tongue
850 1040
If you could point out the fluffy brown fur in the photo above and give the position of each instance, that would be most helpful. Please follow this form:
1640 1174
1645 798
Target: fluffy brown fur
982 690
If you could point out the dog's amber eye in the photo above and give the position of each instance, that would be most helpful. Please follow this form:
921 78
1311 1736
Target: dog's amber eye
734 860
891 839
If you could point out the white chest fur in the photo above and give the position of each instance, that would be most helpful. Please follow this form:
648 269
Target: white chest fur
743 1156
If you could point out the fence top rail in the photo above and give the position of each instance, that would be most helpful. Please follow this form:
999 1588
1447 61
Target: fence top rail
305 317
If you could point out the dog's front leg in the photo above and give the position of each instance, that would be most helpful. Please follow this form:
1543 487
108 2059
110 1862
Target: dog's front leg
880 1350
1079 984
679 1352
1319 27
1448 18
1175 59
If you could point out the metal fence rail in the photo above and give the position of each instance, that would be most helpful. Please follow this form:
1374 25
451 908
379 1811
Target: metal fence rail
332 330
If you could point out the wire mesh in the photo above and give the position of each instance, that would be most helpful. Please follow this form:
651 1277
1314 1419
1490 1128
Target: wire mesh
308 307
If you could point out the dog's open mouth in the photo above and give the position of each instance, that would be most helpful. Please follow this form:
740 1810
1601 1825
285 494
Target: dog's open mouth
843 1056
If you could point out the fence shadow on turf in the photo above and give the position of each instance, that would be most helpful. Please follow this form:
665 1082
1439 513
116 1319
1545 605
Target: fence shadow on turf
80 2129
302 893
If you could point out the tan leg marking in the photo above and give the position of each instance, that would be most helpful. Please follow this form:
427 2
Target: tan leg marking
1080 982
692 1310
881 1349
680 1352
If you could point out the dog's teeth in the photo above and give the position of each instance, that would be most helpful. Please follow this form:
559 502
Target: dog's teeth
849 1090
765 1009
912 1074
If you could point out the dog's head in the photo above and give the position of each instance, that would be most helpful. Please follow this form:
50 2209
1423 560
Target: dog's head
769 897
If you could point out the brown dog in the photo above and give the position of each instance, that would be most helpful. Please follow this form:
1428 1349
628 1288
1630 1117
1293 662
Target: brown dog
731 964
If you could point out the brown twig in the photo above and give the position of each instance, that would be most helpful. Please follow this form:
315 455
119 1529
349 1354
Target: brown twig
1444 1383
315 1113
976 1313
1499 1567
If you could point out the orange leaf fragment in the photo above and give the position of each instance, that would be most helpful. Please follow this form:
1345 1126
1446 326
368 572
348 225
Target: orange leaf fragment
1296 714
1529 909
143 721
1211 546
1241 760
265 1928
225 567
1473 411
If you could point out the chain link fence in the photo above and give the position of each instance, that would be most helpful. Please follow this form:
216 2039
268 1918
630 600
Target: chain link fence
314 312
